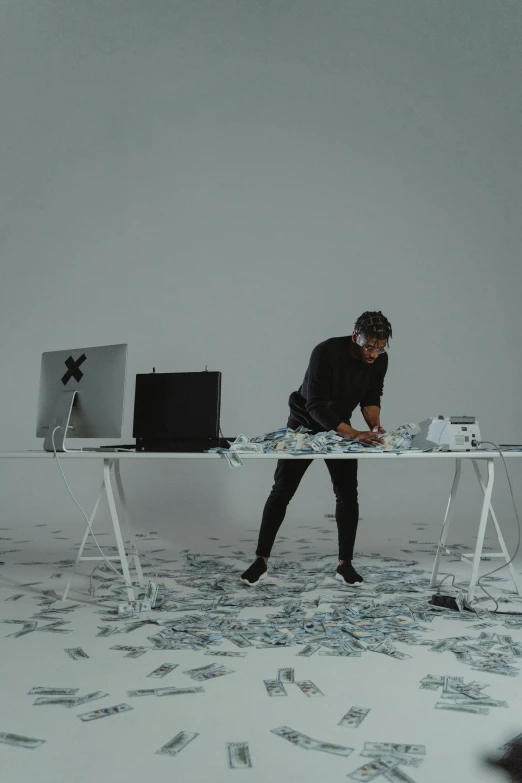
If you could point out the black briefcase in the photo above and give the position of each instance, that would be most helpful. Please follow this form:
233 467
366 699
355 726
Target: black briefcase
178 411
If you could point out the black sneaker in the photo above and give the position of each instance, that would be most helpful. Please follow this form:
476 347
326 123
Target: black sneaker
346 573
255 573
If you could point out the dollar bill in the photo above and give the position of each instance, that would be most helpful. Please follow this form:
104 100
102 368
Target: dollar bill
136 653
142 692
238 640
463 656
226 653
178 691
387 748
452 684
504 639
308 743
28 627
163 670
106 712
442 646
308 650
208 672
433 679
106 630
472 708
397 775
492 668
43 691
76 653
295 737
329 747
354 717
238 755
285 675
19 741
374 768
70 701
178 743
309 688
275 688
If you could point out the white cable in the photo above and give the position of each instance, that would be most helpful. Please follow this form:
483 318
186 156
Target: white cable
86 517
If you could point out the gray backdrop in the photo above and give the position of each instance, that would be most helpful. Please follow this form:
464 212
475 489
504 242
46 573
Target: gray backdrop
230 183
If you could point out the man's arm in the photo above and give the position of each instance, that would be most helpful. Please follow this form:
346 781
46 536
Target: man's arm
372 416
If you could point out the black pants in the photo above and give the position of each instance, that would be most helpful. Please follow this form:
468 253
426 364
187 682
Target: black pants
287 478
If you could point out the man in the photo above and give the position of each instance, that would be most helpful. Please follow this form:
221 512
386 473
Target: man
343 372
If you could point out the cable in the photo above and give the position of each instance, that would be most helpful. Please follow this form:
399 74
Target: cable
446 577
474 600
87 518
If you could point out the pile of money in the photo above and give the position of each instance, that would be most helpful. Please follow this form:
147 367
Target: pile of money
201 607
303 441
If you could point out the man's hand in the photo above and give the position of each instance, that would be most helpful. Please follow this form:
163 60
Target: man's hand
367 437
379 429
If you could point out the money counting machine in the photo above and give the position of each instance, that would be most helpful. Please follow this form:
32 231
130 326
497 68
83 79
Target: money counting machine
448 433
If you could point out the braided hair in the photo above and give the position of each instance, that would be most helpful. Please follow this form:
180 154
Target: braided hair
373 326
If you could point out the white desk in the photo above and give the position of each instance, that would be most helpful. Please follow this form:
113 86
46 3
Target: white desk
112 460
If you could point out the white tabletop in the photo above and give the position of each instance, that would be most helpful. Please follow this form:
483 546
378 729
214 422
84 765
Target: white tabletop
39 454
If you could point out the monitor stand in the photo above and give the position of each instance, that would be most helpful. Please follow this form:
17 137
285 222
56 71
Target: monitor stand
60 418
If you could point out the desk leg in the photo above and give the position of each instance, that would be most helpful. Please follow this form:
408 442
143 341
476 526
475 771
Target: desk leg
446 524
107 465
486 507
84 541
125 513
497 527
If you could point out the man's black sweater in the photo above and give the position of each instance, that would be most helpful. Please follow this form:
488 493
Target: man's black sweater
334 384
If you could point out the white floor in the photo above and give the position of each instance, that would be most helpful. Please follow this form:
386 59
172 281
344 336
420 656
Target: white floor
235 707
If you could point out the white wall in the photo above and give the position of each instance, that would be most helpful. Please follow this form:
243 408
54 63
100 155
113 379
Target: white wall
230 183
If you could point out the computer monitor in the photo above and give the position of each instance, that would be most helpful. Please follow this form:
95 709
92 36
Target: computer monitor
82 392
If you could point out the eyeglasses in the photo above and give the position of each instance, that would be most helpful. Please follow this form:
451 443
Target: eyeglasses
370 349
